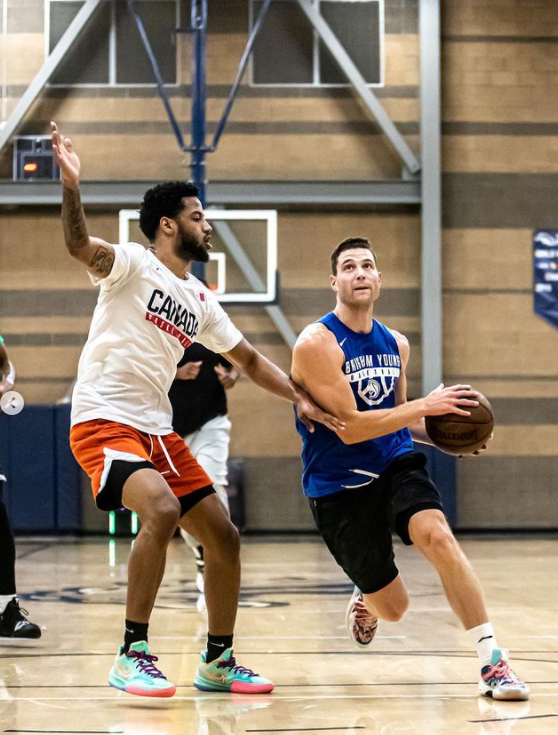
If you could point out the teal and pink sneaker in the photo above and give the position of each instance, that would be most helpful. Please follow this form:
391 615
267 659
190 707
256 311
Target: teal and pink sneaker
135 672
225 675
499 681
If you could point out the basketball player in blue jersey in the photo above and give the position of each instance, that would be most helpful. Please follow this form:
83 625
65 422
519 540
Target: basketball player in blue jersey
367 481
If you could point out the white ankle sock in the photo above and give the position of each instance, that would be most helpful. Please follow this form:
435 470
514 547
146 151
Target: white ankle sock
4 599
484 640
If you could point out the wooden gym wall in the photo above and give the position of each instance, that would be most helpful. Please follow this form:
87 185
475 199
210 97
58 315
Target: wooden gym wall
500 106
499 165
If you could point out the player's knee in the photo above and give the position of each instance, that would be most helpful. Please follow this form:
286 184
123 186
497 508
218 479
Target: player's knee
392 612
442 545
393 615
389 607
221 540
227 542
163 515
397 615
233 540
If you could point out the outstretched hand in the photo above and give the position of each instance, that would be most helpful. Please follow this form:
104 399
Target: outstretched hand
66 158
308 411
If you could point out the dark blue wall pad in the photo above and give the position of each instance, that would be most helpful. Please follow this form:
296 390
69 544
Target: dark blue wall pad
42 489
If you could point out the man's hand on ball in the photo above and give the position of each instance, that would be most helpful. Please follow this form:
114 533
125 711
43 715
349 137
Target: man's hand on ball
477 452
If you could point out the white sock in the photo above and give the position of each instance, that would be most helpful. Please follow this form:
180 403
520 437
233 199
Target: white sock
4 599
484 640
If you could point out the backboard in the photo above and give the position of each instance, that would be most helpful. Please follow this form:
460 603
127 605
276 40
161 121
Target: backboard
243 261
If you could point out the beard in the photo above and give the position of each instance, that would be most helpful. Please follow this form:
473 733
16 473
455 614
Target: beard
191 249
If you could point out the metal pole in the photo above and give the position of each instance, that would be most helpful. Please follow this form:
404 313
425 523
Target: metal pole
431 195
197 164
442 466
197 148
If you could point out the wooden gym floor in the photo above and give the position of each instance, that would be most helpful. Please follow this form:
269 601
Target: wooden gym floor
419 677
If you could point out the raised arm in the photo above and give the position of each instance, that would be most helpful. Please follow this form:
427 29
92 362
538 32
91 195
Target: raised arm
7 372
317 367
268 376
97 255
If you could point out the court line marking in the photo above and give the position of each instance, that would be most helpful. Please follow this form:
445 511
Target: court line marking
287 686
508 719
38 546
201 639
288 697
312 729
371 654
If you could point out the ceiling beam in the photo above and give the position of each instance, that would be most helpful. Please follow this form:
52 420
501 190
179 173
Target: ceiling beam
226 193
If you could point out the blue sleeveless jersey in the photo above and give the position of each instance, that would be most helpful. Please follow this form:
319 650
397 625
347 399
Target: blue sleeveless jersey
372 367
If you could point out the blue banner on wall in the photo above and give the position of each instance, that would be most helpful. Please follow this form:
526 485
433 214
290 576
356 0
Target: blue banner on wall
545 261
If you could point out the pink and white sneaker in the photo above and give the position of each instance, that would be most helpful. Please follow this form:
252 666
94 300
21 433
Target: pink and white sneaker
499 681
360 623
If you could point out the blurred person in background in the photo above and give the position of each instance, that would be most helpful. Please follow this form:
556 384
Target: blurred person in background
13 620
199 404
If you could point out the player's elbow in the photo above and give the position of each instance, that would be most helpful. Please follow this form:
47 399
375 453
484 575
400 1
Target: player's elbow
250 364
347 438
79 249
350 435
245 358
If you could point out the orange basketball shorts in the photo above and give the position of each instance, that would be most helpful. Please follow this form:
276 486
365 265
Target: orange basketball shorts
98 443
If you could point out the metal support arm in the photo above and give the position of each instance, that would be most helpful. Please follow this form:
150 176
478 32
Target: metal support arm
48 68
348 67
275 312
240 73
156 72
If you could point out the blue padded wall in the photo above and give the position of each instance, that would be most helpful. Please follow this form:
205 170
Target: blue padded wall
30 494
42 490
442 469
68 475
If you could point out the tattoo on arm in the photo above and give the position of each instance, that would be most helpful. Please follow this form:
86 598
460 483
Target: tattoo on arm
102 261
73 220
77 238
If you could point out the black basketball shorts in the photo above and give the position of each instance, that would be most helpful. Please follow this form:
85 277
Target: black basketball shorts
357 524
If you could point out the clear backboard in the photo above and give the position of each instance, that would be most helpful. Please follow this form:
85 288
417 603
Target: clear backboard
243 262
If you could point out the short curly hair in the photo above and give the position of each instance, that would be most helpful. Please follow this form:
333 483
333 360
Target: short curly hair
163 200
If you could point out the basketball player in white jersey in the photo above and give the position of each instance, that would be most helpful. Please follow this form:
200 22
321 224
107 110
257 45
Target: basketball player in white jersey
149 310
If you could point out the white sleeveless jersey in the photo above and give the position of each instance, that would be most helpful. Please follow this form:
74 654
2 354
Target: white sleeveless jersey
144 319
